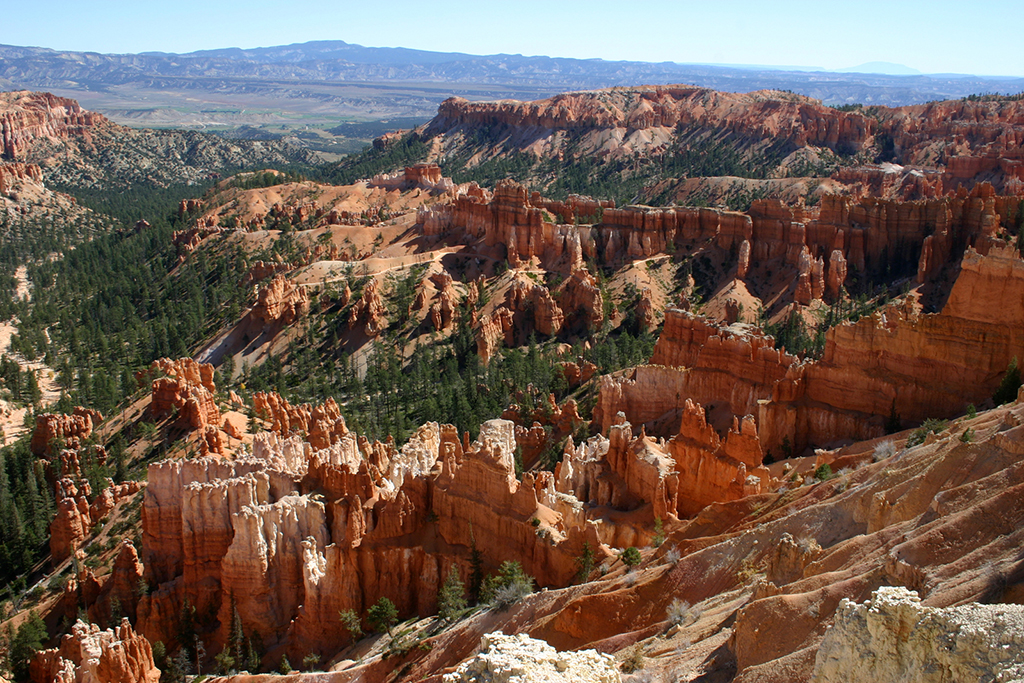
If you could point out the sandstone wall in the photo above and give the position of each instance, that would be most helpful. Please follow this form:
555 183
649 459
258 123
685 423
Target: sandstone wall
293 534
28 116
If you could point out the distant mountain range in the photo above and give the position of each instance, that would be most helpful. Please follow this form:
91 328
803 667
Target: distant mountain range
334 78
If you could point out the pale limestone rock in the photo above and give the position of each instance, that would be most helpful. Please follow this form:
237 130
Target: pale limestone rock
892 637
521 659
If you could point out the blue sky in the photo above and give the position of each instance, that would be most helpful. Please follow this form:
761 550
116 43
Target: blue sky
932 37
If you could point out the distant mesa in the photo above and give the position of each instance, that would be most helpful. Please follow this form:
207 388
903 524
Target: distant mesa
885 68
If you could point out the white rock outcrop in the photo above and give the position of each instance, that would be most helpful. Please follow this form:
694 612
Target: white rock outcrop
893 638
521 659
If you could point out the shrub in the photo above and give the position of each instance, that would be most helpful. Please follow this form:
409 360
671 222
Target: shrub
659 532
967 436
679 612
506 588
585 564
823 472
285 666
382 615
310 662
972 412
673 555
630 557
918 436
632 659
884 450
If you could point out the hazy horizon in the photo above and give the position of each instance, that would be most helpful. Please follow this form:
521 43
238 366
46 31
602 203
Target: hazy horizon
741 33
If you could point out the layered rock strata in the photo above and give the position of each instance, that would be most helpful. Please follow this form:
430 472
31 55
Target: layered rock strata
898 359
818 244
293 534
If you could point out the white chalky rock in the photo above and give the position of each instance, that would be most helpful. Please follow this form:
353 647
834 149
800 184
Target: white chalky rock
893 638
521 659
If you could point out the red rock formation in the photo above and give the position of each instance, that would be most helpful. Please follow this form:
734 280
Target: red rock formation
710 470
577 373
446 302
369 311
69 429
12 173
581 299
105 601
250 529
189 206
707 363
76 515
760 115
117 655
923 365
261 270
188 388
493 331
694 469
29 116
322 424
188 240
281 301
418 176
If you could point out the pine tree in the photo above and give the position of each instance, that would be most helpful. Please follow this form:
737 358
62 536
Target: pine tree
382 615
476 563
1007 391
451 599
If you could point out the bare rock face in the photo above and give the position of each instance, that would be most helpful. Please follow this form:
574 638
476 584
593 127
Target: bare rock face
293 534
69 429
323 424
893 637
581 298
924 365
645 314
281 301
492 332
709 469
521 659
117 655
418 176
837 273
369 311
681 477
76 515
706 362
261 270
26 117
446 303
577 373
799 120
186 387
12 173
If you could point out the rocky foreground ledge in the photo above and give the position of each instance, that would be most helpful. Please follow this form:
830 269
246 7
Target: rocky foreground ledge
893 637
521 659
